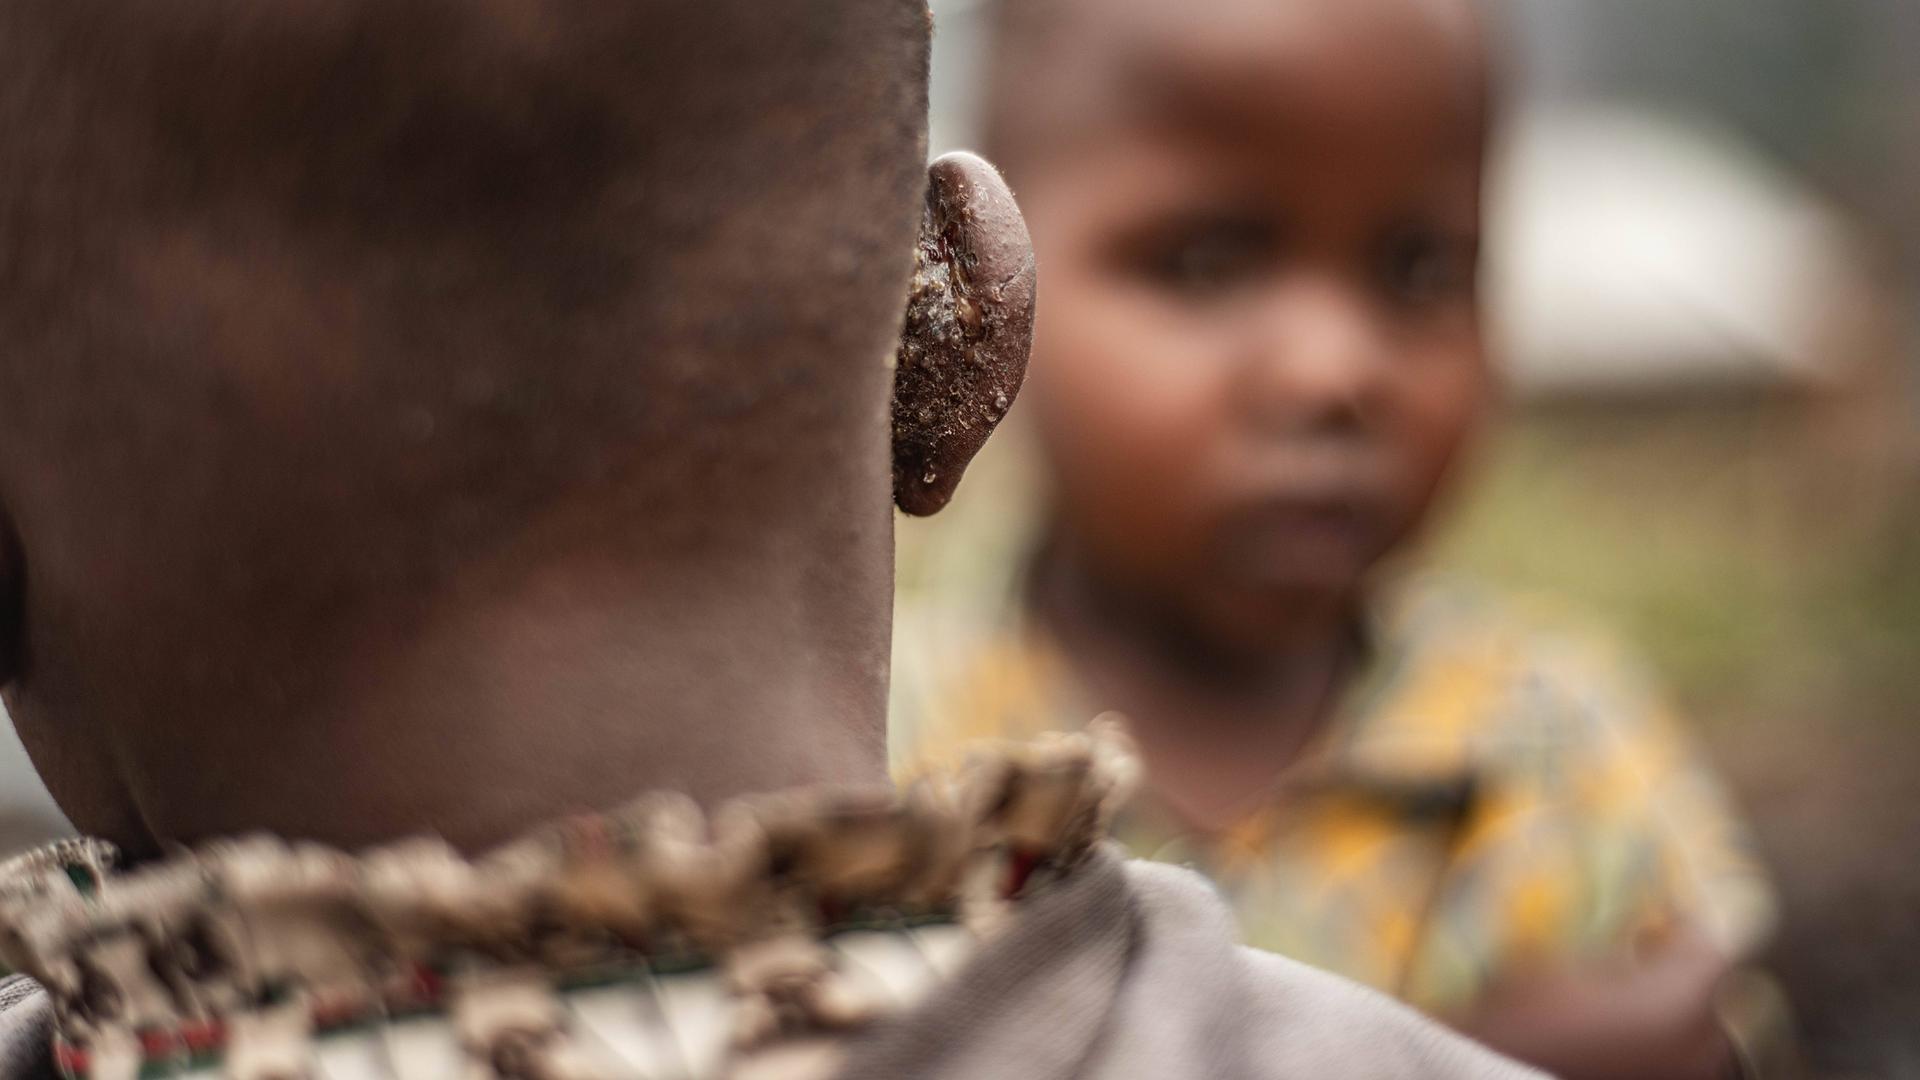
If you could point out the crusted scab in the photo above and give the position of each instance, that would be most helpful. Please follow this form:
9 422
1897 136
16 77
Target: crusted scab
966 332
968 314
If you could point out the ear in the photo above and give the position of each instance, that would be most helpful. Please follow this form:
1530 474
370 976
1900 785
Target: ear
968 330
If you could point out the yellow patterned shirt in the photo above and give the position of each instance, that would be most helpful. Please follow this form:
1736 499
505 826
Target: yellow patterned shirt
1496 791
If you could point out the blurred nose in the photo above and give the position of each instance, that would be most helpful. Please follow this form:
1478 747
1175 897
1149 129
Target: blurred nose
1314 355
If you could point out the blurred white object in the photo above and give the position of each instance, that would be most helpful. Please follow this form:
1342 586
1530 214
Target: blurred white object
28 815
1633 252
961 32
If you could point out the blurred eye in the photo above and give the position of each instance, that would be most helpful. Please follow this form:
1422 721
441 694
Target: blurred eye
1417 267
1203 260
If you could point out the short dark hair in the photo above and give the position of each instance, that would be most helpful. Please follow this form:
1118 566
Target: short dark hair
625 182
534 237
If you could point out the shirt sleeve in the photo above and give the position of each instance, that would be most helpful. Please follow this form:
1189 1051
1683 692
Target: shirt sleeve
1650 776
1596 826
1602 768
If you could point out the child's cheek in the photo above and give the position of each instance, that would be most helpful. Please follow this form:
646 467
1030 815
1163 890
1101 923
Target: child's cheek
1436 419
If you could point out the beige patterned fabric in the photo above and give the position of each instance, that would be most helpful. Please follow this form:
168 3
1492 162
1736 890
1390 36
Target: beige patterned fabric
1113 971
655 941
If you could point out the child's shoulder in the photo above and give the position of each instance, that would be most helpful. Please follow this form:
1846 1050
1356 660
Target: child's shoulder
1505 665
1461 619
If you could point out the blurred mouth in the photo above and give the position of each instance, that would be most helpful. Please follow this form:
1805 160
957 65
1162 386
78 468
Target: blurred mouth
1301 540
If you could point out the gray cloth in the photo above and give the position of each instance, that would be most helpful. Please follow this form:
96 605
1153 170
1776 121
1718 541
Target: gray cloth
1126 971
1131 971
26 1030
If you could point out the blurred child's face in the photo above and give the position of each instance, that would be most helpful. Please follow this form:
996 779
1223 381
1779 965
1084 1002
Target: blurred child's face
1259 346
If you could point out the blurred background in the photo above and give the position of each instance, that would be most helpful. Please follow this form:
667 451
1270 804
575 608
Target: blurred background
1705 284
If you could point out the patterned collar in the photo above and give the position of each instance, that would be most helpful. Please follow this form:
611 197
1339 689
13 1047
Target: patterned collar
246 954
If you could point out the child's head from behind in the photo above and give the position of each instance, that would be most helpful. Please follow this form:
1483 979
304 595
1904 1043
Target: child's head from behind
369 368
1259 348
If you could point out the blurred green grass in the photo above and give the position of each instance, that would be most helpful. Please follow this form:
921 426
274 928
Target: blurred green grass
1758 570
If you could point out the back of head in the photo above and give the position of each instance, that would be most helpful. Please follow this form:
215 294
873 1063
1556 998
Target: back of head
322 318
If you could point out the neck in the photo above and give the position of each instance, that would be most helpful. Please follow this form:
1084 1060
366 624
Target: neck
563 686
584 691
1158 660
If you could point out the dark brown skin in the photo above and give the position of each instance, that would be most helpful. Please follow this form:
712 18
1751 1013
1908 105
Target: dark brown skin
1639 1017
453 414
1258 363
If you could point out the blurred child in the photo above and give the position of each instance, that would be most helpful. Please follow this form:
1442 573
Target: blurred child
1258 359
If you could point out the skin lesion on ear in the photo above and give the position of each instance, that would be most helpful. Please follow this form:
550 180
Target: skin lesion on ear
967 333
